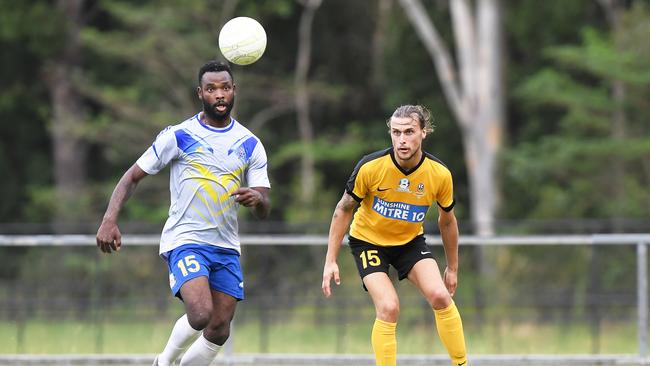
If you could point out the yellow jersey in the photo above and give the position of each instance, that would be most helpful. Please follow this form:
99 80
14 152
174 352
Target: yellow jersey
394 202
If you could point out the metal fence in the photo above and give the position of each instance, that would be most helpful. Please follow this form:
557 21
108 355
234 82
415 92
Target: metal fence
230 357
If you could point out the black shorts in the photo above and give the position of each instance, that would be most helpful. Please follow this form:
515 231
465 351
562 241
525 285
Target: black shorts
372 258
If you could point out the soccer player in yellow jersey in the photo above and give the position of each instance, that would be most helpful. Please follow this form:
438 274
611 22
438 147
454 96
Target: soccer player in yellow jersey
393 189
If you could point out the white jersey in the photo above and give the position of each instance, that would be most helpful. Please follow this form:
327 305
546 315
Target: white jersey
207 165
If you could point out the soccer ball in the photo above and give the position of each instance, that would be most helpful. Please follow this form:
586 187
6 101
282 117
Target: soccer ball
242 40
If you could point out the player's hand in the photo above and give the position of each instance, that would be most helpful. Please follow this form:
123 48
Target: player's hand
451 280
109 237
247 196
330 271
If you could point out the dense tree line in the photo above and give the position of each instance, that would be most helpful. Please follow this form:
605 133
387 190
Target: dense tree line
86 86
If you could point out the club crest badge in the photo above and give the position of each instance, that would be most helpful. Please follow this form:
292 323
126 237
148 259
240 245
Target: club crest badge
403 185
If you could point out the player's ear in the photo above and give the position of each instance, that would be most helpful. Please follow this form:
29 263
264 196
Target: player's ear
198 92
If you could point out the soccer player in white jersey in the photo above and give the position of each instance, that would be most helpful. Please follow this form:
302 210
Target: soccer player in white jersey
216 164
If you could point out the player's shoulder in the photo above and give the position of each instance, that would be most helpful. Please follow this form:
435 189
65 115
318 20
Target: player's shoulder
435 162
190 121
179 125
239 129
240 135
374 157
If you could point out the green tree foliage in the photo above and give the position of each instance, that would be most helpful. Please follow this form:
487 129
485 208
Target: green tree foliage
24 143
139 76
585 154
572 163
141 84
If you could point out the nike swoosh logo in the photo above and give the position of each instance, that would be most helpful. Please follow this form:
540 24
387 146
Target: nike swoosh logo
382 189
430 253
462 363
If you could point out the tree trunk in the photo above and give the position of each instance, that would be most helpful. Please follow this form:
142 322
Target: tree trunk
376 80
305 129
475 96
70 150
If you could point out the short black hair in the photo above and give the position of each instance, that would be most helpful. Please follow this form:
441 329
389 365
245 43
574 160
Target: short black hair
214 66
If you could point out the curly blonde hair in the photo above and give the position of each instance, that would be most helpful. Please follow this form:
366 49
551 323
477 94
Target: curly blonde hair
418 113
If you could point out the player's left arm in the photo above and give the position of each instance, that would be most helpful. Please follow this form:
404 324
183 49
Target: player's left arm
449 233
257 198
256 195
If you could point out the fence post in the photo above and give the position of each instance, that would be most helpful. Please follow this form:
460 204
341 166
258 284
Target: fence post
642 297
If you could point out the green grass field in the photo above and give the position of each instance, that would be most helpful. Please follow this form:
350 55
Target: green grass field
292 336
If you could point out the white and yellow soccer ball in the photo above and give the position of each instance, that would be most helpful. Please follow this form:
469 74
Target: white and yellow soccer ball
242 40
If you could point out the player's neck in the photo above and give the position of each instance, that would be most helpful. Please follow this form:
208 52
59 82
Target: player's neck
410 163
214 122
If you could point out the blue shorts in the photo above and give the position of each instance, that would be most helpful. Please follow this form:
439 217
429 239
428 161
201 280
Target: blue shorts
220 265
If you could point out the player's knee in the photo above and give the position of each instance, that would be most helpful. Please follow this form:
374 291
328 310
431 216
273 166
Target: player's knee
218 331
199 316
439 298
198 321
198 310
388 310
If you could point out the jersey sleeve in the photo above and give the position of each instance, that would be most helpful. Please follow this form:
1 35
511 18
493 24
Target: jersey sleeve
445 196
256 174
356 186
160 153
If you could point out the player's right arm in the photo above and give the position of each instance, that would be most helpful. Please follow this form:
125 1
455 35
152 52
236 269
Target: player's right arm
109 236
341 219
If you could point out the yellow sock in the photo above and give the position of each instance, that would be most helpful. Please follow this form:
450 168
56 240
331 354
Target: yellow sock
450 330
384 342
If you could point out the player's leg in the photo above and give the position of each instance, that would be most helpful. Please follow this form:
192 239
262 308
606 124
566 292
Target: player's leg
425 274
188 327
386 301
372 263
207 346
226 289
189 281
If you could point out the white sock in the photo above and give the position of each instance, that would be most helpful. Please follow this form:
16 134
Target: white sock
201 353
182 336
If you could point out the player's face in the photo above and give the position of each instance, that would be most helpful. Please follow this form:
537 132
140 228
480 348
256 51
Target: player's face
217 92
407 136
